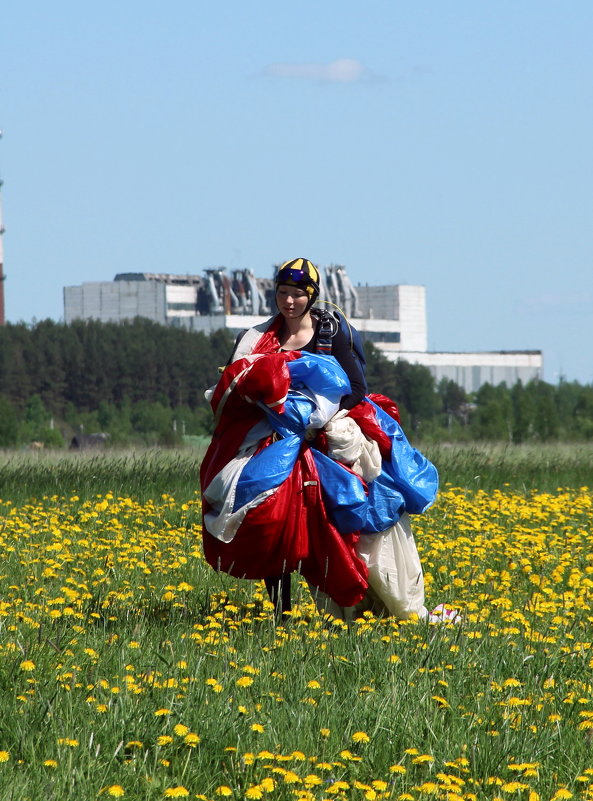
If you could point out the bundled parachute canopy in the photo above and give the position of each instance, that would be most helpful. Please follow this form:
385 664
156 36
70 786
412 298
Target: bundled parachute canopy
273 501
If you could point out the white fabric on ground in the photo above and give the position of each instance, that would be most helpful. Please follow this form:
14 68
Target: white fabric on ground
396 581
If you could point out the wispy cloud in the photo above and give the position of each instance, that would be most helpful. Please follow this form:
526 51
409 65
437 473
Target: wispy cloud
342 70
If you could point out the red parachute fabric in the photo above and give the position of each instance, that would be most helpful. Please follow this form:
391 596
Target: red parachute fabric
289 530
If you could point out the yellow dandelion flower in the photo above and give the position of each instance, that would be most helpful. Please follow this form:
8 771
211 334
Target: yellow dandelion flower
162 712
116 790
176 792
223 790
68 741
244 681
360 737
314 685
515 701
397 769
291 778
514 787
324 732
50 763
164 739
337 787
192 739
428 788
422 758
180 730
441 702
312 780
257 727
255 791
268 784
27 665
348 756
5 756
561 793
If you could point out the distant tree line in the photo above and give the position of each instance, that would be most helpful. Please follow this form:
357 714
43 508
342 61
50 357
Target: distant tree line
536 411
142 382
137 381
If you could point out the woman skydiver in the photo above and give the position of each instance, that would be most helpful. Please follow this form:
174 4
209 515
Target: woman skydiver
344 528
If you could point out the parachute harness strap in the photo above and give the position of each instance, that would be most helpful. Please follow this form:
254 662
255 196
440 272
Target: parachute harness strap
328 321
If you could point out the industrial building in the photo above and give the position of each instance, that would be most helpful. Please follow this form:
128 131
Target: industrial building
393 317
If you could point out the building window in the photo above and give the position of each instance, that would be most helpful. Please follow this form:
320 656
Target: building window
380 336
181 307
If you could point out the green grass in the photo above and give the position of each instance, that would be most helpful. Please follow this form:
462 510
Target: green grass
117 641
140 473
520 467
148 473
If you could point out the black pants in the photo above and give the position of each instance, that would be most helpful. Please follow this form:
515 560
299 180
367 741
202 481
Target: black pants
278 588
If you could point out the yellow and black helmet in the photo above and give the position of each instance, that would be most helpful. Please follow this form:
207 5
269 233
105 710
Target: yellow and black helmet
302 273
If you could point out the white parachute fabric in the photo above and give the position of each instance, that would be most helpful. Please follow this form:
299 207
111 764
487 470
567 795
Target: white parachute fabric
396 582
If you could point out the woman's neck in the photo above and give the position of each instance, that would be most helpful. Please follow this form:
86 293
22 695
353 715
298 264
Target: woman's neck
295 324
296 332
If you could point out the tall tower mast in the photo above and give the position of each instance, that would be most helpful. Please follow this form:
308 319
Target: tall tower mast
2 318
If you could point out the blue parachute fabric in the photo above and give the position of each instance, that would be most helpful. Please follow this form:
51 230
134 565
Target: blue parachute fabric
385 505
408 481
271 466
321 374
267 469
343 494
294 418
414 476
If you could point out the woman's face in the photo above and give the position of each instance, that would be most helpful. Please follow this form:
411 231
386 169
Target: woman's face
291 301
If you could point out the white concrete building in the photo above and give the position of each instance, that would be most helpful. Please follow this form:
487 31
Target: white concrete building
393 317
471 370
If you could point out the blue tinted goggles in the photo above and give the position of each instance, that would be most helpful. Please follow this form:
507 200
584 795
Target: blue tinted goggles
288 274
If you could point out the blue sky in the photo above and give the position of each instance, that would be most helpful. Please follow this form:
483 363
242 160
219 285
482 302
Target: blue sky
443 144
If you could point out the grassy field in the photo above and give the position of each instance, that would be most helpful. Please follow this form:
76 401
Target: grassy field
128 668
146 474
